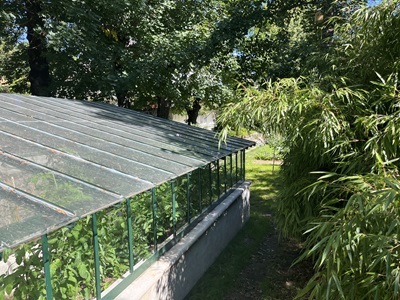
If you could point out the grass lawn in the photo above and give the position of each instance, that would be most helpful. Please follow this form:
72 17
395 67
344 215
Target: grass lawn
255 265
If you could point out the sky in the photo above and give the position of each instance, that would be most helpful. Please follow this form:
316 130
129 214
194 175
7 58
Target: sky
373 2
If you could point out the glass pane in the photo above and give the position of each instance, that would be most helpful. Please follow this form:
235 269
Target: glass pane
181 201
112 161
164 212
196 185
57 134
72 261
24 273
105 118
74 166
113 242
142 223
22 219
61 190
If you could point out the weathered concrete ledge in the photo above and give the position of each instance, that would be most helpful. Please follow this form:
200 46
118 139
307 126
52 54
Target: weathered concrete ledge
178 270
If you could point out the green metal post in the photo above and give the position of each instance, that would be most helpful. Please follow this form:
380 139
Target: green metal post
96 256
236 167
173 206
46 261
188 196
200 192
218 180
244 164
230 170
241 166
225 181
210 178
154 209
130 235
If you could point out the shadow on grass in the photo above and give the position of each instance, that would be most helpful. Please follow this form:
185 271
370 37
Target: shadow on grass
220 278
256 264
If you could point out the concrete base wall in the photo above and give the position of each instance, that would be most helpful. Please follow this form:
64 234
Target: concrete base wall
177 271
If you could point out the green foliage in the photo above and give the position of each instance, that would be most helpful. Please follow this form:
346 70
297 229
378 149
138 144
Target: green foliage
355 238
340 177
130 50
351 137
367 43
13 69
239 132
72 262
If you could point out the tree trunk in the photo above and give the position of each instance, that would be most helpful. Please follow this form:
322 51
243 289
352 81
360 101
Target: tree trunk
123 100
193 112
39 75
163 107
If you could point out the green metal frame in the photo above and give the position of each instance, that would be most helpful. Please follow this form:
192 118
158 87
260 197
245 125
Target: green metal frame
154 210
225 181
96 256
236 166
218 181
200 190
188 175
46 263
230 170
130 234
210 179
173 206
244 164
241 165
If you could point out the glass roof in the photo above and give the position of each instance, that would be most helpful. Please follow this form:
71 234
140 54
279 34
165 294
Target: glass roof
61 160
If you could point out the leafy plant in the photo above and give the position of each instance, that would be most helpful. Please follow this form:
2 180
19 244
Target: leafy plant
340 177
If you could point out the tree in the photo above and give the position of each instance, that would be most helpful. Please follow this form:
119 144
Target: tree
158 53
39 75
24 20
14 68
289 39
129 54
174 73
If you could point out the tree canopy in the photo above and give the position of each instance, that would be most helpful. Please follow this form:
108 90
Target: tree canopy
142 53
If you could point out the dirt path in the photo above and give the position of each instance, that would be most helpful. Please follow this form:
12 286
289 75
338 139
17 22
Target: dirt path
268 273
270 270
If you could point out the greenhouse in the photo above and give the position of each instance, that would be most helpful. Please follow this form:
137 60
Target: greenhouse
91 192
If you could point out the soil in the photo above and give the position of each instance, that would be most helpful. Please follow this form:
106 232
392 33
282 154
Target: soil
271 270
